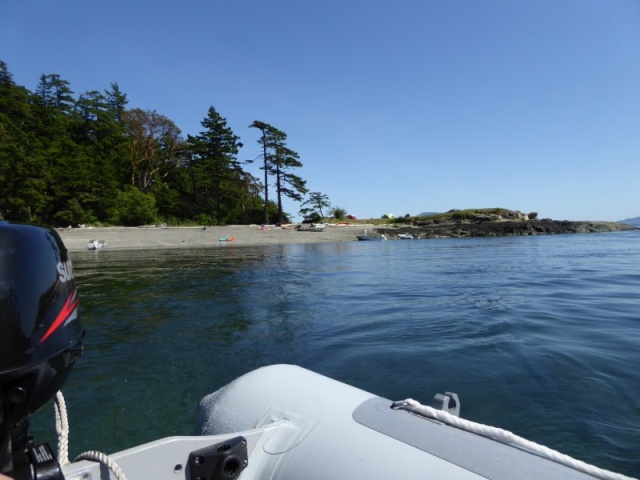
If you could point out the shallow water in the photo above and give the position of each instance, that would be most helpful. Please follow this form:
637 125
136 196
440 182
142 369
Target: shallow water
537 335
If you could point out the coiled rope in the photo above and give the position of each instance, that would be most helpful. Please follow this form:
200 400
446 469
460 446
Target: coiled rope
62 429
506 437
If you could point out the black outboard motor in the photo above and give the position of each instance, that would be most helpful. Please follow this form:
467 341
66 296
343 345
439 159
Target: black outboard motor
40 339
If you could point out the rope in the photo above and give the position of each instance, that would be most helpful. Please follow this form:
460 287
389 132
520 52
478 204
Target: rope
62 429
104 459
507 437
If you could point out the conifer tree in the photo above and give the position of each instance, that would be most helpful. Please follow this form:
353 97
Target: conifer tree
215 170
278 159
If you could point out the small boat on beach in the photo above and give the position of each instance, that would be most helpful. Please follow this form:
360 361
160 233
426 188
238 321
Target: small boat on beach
312 228
96 244
371 238
406 236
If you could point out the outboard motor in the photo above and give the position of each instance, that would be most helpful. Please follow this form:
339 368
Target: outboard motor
40 339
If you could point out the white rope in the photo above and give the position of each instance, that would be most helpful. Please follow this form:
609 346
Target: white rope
62 429
507 437
104 459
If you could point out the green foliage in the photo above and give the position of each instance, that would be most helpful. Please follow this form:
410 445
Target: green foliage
72 214
132 208
216 174
338 213
455 214
278 160
403 220
87 159
313 207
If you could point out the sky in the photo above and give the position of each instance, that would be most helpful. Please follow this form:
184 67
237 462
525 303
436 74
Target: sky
394 106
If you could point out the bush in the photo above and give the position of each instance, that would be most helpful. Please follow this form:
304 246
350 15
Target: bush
132 207
73 214
313 217
338 213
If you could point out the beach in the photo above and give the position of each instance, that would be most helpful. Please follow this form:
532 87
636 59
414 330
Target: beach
132 238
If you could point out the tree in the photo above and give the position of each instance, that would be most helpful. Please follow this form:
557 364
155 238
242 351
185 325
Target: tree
338 213
95 172
133 207
278 161
316 201
116 101
68 161
215 171
54 92
20 197
287 183
265 142
154 141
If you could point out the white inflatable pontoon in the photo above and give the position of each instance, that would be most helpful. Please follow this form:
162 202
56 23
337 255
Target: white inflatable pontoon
285 422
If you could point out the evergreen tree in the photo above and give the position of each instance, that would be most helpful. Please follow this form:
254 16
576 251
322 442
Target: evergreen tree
91 175
54 92
287 183
116 101
23 172
215 171
65 161
14 111
278 160
266 142
316 203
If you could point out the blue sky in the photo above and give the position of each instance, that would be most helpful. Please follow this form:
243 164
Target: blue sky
399 107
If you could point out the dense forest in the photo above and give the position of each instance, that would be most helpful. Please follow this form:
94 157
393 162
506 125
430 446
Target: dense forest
88 159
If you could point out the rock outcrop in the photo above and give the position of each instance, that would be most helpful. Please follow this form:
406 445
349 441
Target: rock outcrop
483 225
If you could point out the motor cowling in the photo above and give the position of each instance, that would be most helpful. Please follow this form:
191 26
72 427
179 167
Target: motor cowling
40 329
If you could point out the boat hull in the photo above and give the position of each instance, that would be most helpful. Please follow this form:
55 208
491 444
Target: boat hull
370 238
292 423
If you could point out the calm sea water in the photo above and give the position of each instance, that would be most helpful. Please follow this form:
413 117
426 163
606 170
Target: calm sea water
538 335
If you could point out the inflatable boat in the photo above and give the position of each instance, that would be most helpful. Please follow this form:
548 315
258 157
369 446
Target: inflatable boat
278 422
285 422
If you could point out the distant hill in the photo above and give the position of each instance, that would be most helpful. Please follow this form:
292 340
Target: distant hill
632 221
427 214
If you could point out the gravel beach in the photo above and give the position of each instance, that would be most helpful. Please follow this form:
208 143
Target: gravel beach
131 238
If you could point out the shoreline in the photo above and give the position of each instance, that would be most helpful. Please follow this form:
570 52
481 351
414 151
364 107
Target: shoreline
135 238
156 237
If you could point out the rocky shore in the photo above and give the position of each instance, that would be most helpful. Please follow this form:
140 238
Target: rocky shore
501 228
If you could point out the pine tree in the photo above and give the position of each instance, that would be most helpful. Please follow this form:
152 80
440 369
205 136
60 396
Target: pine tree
278 160
215 171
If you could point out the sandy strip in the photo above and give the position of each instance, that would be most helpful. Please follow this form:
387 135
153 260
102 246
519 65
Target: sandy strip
131 238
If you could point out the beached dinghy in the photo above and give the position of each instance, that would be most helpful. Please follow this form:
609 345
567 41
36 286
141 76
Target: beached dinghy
96 245
277 422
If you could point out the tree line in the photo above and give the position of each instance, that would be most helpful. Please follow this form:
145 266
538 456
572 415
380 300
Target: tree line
88 159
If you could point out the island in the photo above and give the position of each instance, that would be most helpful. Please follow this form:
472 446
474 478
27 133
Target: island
494 222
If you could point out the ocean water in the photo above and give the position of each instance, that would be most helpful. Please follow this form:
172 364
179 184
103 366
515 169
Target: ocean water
538 335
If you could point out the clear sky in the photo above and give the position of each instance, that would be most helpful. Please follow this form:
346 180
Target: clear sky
395 106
